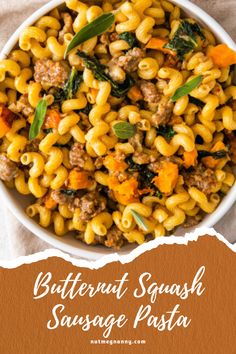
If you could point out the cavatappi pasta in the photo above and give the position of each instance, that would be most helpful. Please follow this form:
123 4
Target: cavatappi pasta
122 156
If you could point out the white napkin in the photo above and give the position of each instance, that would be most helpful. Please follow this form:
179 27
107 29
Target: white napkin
15 240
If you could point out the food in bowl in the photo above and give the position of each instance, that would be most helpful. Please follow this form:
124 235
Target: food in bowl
119 120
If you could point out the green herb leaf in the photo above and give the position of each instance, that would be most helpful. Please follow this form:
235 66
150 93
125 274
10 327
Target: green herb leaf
70 88
94 28
139 220
130 38
184 39
99 71
124 130
187 88
216 155
166 130
39 117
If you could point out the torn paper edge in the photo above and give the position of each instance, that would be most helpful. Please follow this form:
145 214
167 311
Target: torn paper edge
115 257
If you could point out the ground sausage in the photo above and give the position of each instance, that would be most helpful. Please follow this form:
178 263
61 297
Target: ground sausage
129 62
163 113
137 141
114 238
51 73
77 155
113 36
22 106
119 156
68 28
8 169
202 178
121 176
156 165
7 116
149 91
104 39
90 204
141 158
191 221
32 146
61 198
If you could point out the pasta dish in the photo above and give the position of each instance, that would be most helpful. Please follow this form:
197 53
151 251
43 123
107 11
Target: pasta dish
119 120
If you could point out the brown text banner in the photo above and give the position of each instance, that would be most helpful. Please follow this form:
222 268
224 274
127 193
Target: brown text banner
172 299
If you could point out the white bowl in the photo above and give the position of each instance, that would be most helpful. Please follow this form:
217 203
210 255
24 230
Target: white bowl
17 203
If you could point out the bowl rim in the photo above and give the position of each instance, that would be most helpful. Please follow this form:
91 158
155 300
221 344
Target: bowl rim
95 254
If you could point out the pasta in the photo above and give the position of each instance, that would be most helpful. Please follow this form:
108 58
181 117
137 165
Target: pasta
138 133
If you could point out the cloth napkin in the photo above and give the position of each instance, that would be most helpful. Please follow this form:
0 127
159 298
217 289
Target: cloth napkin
17 241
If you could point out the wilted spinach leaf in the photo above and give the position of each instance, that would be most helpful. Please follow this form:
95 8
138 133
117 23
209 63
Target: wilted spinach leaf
133 167
184 39
216 155
70 88
130 38
196 101
166 130
99 71
145 179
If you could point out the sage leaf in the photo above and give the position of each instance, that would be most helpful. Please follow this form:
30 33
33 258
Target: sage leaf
124 130
187 88
92 29
139 220
39 117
